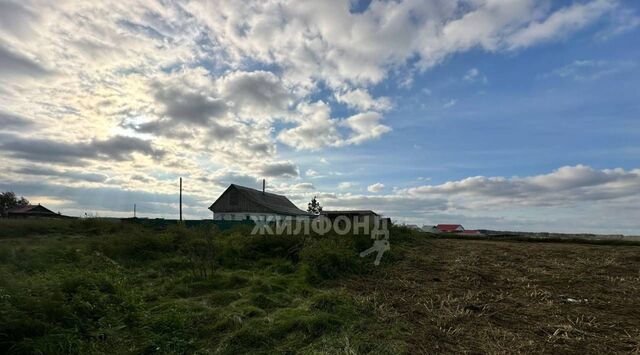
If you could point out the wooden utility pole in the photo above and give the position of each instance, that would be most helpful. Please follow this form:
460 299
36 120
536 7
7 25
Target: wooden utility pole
180 199
134 210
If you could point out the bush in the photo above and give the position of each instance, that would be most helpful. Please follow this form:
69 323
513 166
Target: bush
59 315
16 228
198 247
326 259
137 245
133 290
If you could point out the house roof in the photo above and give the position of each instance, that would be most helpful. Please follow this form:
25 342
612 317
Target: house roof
349 212
30 209
275 203
448 227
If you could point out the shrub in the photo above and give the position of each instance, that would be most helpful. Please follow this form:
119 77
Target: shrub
59 315
198 247
16 228
137 245
326 259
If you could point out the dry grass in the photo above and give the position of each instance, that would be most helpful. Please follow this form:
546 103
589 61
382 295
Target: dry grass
470 296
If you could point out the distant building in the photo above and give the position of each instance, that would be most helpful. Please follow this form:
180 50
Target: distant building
354 215
33 211
450 228
453 228
238 203
430 229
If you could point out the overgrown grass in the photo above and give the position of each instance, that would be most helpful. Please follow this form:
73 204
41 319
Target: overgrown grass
13 228
101 287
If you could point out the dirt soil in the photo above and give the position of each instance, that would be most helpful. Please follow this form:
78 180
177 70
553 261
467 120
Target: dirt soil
472 296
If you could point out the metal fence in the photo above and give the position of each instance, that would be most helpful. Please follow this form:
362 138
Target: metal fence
160 223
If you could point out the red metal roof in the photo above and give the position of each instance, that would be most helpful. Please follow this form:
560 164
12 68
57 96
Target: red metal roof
448 227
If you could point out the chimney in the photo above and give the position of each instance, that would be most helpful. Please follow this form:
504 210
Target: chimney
263 185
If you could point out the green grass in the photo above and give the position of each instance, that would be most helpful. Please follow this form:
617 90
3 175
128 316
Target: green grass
94 287
101 287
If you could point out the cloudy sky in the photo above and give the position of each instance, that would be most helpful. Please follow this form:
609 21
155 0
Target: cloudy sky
503 114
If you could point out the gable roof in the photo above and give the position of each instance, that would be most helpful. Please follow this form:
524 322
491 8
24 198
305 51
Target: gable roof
31 209
272 202
349 212
449 227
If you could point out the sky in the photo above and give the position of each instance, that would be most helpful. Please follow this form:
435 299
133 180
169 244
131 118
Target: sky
496 114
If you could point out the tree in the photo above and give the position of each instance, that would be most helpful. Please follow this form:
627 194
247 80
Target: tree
9 200
314 206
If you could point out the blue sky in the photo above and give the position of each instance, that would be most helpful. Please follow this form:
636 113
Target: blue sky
495 114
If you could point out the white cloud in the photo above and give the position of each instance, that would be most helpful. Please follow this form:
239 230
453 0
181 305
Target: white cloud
316 129
303 186
570 199
622 21
280 169
561 23
256 94
345 185
471 74
361 99
325 40
450 103
582 70
365 126
377 187
563 187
